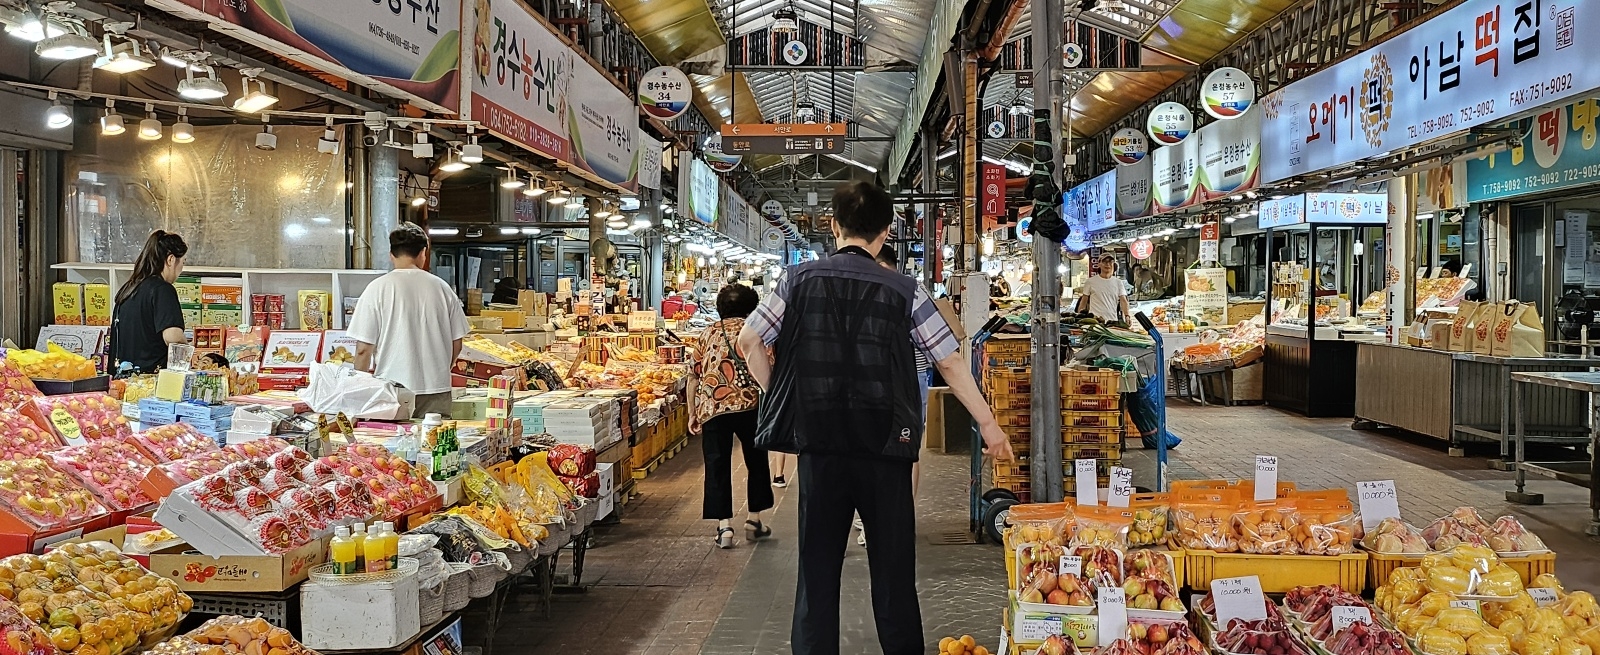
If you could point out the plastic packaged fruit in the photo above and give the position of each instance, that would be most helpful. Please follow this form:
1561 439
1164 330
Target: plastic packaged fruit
90 416
1395 537
1439 641
21 437
1203 519
194 467
111 469
1149 520
169 443
1102 526
44 496
16 388
1039 523
1267 528
252 636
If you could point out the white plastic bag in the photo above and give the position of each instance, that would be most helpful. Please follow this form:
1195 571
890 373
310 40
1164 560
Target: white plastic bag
337 388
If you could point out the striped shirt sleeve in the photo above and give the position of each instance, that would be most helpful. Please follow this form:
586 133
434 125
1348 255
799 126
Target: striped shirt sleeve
768 317
929 331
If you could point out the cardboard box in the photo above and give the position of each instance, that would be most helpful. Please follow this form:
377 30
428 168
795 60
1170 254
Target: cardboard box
68 298
96 304
511 320
226 574
222 314
291 349
337 347
191 315
360 616
85 340
221 294
188 290
485 324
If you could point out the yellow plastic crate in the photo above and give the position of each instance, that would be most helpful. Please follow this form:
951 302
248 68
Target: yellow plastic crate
1104 436
1101 403
1090 382
1071 452
1014 418
1379 566
1087 419
1278 573
1001 402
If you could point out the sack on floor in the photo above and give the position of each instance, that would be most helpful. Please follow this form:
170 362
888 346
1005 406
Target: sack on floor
1460 328
1145 409
1517 332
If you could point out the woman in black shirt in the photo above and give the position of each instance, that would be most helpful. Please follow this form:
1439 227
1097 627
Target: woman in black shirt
147 316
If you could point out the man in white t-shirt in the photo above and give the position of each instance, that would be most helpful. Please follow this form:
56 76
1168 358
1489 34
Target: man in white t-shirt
408 324
1105 293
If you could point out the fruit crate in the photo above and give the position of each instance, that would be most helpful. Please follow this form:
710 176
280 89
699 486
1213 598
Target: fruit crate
1107 436
1279 573
1014 418
1009 381
1087 419
1380 565
1001 402
1077 403
1071 452
1090 382
1012 469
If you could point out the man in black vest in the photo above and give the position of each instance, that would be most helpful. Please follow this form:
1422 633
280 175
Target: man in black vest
841 391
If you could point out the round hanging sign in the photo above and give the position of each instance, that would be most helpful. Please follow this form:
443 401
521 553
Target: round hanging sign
1129 147
771 239
794 52
1169 124
1227 93
1071 55
665 92
720 162
997 129
772 208
1025 229
1141 249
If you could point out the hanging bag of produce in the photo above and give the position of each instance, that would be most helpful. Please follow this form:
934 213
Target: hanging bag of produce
1482 327
1460 328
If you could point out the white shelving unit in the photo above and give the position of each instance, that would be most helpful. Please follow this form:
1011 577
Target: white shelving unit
339 283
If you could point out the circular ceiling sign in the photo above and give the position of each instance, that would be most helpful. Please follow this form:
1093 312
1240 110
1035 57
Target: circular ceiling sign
772 208
1071 55
1129 146
997 129
665 92
1227 93
1169 124
719 161
1141 249
1025 229
794 53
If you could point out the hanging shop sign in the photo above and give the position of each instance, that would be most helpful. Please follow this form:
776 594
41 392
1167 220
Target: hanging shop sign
528 86
698 186
734 219
412 49
1071 55
1481 62
1205 294
1142 248
1227 93
1095 202
784 138
665 92
1557 151
720 161
1324 209
1169 124
649 161
1025 229
1210 241
993 191
771 239
997 129
1230 155
1133 190
1281 212
772 208
795 53
1175 177
1128 146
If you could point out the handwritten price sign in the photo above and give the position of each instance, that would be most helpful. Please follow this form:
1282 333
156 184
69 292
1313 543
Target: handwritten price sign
1378 501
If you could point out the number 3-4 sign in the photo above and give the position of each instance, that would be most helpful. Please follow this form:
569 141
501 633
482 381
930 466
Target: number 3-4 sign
665 92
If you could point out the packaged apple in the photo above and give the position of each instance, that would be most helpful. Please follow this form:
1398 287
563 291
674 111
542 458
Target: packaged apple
1462 526
170 443
44 496
1047 575
1269 636
1150 516
258 448
389 496
1393 536
1204 519
1150 581
111 469
194 467
1042 523
1156 638
21 437
84 416
1101 525
16 388
397 467
1052 645
1310 604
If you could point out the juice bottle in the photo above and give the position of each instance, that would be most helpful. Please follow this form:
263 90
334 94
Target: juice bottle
342 550
376 549
391 545
358 536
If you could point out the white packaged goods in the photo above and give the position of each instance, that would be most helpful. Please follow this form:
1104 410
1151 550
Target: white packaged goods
360 616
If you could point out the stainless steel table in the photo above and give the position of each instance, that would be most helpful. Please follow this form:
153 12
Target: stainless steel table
1581 473
1557 414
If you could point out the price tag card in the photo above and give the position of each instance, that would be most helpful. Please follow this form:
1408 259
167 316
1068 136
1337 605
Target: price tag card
1543 596
73 433
1239 598
1121 487
1345 615
1034 628
1113 610
1087 486
1378 501
1070 565
1266 477
1468 604
1005 642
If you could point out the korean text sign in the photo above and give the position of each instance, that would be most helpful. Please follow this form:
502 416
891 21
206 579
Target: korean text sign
1480 62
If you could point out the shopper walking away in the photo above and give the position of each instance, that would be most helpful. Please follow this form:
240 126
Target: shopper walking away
1104 294
722 405
780 463
505 291
408 324
147 317
841 392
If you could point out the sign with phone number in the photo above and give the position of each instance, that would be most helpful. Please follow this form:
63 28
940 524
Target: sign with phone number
1557 151
1480 62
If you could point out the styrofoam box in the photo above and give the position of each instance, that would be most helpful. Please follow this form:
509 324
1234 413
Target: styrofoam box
203 530
607 480
364 616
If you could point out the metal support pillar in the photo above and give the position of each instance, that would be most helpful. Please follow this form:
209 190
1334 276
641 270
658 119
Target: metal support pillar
383 187
931 252
1046 465
971 165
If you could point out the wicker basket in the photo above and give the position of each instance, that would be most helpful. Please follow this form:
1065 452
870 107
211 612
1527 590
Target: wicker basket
457 587
483 579
558 537
520 558
431 604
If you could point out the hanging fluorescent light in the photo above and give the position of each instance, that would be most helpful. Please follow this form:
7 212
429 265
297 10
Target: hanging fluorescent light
534 189
417 199
57 116
945 155
472 153
617 223
641 222
257 100
556 199
182 131
785 21
510 231
574 202
29 27
205 88
443 231
853 162
511 180
66 47
329 143
182 59
530 231
121 62
452 164
266 140
111 123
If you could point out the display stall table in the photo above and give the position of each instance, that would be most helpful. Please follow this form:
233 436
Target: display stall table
1442 394
1579 472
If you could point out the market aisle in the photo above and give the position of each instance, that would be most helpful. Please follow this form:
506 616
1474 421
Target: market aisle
655 583
1222 442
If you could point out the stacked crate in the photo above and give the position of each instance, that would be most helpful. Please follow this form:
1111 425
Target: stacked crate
1007 381
1091 418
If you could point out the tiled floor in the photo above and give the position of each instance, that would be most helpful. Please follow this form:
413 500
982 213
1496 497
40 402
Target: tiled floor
654 583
